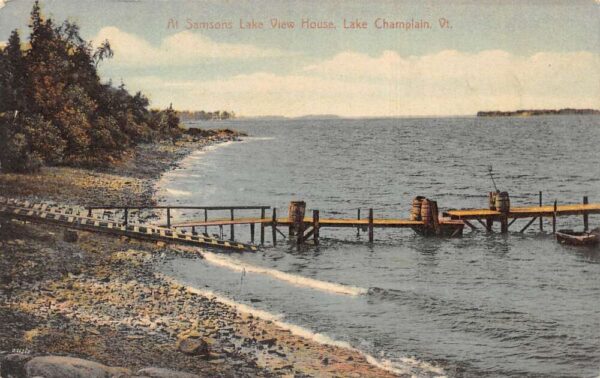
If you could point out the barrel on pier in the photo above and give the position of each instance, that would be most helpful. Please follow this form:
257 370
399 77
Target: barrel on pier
502 202
415 213
426 211
296 212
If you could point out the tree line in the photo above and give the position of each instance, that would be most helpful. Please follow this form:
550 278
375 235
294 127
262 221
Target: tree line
202 115
54 109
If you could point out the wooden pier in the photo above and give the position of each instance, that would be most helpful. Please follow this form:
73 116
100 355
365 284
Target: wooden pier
425 220
44 213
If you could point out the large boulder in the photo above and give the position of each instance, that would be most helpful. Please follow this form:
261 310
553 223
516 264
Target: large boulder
69 367
13 365
155 372
193 344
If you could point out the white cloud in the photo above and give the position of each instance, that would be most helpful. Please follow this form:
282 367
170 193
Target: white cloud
183 48
353 84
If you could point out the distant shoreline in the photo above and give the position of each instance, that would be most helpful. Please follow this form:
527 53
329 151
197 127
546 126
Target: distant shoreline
538 112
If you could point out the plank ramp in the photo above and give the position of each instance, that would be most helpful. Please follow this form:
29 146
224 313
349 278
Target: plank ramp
26 211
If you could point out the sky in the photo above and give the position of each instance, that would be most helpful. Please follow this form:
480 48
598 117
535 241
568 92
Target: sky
444 57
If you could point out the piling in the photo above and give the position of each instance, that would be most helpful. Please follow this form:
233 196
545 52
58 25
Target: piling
554 219
126 216
489 222
541 218
296 212
274 226
205 220
370 225
231 227
316 226
262 227
251 233
358 218
585 216
168 217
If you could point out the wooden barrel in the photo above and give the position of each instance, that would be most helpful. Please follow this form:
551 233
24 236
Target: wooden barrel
502 202
415 212
492 200
296 212
426 211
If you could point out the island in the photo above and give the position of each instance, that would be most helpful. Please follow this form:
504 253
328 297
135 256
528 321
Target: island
538 112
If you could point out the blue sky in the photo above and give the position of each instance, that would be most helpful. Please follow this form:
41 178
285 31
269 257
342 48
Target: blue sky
494 55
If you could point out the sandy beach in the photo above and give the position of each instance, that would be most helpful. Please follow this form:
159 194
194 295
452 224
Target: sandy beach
100 299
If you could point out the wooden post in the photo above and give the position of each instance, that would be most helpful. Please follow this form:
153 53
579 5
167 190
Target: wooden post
168 217
262 227
205 220
358 228
489 222
554 219
585 215
231 227
504 223
193 230
90 212
274 226
541 218
370 225
435 220
126 216
316 226
252 233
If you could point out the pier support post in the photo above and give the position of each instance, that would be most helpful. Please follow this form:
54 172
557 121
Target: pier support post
252 233
168 217
358 228
126 216
90 212
205 220
370 225
262 227
232 228
541 218
489 222
554 219
503 224
274 226
316 226
435 218
585 215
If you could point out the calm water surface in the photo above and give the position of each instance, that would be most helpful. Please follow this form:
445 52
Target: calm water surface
481 305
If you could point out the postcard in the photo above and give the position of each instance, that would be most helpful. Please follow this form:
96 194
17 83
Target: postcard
259 188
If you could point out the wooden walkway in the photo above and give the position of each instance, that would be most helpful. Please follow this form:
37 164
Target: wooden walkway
44 213
527 212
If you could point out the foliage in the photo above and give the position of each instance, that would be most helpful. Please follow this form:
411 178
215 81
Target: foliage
54 109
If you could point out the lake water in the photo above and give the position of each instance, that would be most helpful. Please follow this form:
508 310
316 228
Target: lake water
480 305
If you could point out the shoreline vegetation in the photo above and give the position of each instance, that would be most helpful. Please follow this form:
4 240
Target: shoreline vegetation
537 112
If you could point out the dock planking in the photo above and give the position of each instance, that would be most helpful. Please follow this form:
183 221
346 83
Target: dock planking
528 212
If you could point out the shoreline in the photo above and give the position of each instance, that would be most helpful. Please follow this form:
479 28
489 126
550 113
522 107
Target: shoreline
100 299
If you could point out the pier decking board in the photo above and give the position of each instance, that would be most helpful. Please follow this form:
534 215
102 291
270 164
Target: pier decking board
527 212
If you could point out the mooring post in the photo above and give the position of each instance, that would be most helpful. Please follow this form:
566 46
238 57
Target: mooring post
262 227
252 233
274 226
554 219
585 215
541 218
435 220
205 220
489 222
316 226
370 225
358 228
126 216
168 217
231 227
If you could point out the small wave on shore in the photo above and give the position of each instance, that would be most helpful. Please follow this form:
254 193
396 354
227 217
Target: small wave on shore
403 366
178 193
287 277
